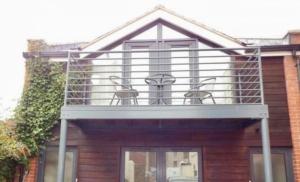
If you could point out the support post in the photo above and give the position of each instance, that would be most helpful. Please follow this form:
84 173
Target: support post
62 150
159 32
266 150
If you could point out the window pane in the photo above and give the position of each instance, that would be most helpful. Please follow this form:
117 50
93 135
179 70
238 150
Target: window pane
52 162
182 166
140 166
278 164
181 70
140 66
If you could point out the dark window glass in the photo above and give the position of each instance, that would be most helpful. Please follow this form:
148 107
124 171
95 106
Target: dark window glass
281 166
50 165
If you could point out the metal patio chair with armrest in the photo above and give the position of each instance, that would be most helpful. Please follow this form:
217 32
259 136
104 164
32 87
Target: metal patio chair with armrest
123 91
202 90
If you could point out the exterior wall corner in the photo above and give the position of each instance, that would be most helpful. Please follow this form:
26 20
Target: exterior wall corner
293 98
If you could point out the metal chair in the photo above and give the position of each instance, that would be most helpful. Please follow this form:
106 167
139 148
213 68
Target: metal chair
201 91
123 91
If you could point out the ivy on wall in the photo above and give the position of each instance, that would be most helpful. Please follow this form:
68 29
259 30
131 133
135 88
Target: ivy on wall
42 99
36 114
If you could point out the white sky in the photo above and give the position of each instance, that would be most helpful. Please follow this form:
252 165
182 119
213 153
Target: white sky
59 21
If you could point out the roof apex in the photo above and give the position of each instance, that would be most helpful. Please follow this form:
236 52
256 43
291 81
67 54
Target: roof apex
162 8
159 6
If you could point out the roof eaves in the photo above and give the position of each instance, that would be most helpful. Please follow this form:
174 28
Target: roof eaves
289 47
119 28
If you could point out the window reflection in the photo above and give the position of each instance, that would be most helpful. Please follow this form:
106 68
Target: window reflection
51 163
140 166
181 166
278 167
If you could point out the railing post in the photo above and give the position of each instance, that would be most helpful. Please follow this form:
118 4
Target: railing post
261 86
266 150
67 78
62 150
240 88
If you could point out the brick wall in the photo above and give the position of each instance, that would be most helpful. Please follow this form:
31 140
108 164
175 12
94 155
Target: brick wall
33 169
32 172
294 37
293 96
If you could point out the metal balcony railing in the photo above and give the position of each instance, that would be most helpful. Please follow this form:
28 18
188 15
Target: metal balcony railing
164 77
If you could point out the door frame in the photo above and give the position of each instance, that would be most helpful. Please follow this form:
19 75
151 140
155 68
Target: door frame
161 160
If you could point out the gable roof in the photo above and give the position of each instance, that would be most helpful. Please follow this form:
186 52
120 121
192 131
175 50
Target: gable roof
162 13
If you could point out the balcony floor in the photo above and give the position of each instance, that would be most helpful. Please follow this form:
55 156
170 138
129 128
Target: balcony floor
217 111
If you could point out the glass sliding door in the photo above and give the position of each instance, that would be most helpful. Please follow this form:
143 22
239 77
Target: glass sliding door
141 63
161 165
140 166
184 65
137 67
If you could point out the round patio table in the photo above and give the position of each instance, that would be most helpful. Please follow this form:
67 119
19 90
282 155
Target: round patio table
160 80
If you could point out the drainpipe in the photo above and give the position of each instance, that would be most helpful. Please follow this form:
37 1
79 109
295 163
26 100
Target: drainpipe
297 60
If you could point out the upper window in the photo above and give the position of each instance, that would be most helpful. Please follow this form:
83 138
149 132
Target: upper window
281 166
49 162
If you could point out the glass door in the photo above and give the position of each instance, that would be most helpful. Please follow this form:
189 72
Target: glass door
183 66
181 166
178 66
161 165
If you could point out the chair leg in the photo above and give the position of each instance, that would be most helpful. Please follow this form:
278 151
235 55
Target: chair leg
112 99
213 99
135 101
118 101
200 100
184 100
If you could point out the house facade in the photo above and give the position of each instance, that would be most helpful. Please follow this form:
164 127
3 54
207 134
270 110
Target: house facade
165 98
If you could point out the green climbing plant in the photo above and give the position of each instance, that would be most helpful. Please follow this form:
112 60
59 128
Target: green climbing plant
12 152
36 114
39 107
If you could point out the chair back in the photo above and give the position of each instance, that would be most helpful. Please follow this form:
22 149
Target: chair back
207 84
117 82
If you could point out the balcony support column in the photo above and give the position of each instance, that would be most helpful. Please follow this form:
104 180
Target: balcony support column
266 150
62 150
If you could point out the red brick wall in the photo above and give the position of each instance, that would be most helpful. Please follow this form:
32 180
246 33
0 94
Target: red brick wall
33 169
294 37
293 96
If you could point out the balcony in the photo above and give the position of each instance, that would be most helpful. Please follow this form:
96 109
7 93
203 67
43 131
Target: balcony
165 84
